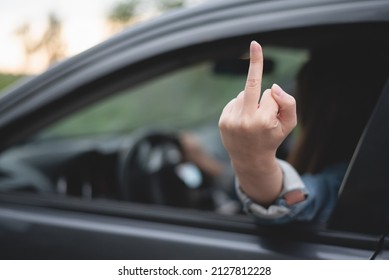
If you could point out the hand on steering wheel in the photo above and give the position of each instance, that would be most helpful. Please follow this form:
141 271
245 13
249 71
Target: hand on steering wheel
156 171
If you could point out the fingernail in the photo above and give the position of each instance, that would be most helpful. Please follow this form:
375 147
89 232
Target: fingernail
254 44
277 90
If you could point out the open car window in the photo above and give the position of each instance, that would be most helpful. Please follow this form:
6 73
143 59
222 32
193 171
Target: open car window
179 100
88 153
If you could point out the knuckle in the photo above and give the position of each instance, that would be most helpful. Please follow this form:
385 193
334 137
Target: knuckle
227 124
240 95
267 123
223 123
241 125
290 102
253 83
245 125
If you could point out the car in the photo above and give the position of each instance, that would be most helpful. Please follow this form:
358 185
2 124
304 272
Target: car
92 163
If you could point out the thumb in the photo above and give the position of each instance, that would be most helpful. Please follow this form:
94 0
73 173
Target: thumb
287 107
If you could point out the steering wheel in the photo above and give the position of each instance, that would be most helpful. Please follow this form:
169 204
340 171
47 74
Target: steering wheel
155 171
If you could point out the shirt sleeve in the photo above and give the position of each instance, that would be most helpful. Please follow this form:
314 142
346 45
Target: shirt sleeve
320 193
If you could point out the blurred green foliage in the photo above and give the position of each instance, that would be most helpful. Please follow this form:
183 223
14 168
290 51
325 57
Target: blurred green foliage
128 12
6 80
122 12
165 5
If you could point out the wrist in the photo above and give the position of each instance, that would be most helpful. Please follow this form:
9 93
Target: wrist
261 180
257 164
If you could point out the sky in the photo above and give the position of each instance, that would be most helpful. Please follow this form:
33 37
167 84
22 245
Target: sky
83 26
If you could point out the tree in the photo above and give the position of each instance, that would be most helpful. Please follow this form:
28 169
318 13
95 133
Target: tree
50 43
165 5
121 14
29 44
128 12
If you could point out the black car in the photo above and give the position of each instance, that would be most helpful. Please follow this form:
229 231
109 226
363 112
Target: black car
92 163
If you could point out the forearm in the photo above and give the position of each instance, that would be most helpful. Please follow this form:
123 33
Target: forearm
260 180
207 164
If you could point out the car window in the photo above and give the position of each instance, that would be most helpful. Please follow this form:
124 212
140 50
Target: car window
175 100
181 99
93 153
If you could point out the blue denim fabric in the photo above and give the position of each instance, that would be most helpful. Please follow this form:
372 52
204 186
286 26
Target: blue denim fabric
322 192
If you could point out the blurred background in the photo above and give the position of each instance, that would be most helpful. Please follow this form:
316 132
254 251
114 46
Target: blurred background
37 34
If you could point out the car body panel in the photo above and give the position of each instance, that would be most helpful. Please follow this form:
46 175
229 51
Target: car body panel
66 234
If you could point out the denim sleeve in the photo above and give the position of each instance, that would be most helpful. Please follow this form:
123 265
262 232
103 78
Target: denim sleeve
321 192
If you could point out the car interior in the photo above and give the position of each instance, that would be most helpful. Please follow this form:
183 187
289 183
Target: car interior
156 140
132 139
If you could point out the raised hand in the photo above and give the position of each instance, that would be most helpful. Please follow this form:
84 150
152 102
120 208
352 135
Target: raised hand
252 127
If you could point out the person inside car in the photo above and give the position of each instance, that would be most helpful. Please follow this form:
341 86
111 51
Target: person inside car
335 96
